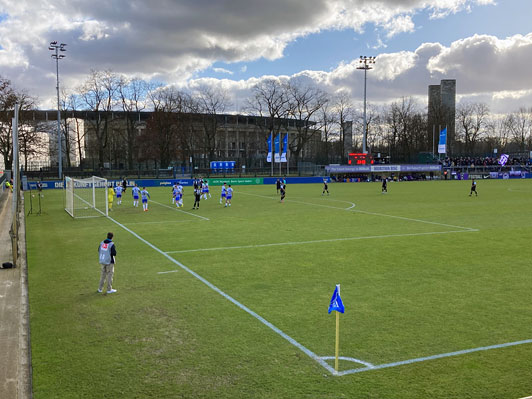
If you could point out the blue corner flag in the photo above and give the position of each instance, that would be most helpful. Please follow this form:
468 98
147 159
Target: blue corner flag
336 301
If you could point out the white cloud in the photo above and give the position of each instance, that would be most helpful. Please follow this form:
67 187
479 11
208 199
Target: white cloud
172 40
222 70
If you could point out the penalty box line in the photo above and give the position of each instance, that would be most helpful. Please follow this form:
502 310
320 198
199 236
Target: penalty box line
350 209
275 244
305 350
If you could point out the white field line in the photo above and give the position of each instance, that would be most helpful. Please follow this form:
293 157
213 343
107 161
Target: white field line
433 357
369 213
169 271
318 241
305 350
180 210
161 221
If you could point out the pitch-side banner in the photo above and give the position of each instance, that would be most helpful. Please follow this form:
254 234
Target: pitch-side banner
443 142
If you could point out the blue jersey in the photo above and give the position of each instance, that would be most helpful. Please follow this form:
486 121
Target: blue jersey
145 195
118 191
175 191
135 191
224 191
229 193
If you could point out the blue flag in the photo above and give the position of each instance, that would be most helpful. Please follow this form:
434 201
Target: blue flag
269 157
442 144
285 147
336 301
277 142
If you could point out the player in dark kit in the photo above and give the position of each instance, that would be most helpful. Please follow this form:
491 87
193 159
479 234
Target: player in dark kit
325 187
283 192
197 197
278 185
384 185
473 188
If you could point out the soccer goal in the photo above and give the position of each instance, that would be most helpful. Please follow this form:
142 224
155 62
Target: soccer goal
86 198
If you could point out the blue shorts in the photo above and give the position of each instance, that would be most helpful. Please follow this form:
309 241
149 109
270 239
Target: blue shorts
223 195
136 197
118 195
144 200
229 197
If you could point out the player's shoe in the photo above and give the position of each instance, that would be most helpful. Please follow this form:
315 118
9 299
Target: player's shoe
111 291
99 290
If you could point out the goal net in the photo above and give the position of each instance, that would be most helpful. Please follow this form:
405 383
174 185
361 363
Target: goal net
86 198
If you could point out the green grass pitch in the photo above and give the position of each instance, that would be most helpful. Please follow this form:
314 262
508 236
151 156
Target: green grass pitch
424 270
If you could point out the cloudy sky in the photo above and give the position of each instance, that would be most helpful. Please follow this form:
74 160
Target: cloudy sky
486 45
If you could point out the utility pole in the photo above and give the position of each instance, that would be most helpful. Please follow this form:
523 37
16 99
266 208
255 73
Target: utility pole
365 63
57 48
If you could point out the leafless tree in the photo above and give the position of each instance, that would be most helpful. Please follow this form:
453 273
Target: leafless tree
169 131
132 97
471 120
344 112
9 97
519 126
304 104
211 102
99 95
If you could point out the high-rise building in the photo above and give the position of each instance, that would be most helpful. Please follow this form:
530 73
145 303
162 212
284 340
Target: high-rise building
442 112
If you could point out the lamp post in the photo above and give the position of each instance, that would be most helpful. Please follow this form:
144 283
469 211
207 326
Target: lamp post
365 63
56 48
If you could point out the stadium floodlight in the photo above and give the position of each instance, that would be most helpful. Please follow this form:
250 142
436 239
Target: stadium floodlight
86 198
56 48
365 63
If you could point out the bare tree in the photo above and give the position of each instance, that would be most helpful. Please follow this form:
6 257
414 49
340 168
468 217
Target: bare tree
99 94
304 104
407 128
31 142
519 125
471 120
331 131
269 100
133 95
344 110
211 102
168 133
9 97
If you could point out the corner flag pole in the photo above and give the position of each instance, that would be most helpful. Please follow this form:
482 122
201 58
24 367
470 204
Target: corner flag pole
338 306
337 351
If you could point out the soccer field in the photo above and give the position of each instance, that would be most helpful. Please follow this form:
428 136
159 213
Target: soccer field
232 302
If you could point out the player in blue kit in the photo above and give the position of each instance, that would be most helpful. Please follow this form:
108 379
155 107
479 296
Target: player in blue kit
118 191
174 193
144 196
229 196
135 191
224 193
205 189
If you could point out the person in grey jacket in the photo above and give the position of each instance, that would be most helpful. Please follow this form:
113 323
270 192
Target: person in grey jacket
106 256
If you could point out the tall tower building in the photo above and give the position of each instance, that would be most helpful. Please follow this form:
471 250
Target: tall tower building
442 111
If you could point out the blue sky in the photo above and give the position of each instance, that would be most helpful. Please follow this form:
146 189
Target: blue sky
325 50
233 44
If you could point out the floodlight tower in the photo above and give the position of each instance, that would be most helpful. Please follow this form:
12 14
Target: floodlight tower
365 63
57 48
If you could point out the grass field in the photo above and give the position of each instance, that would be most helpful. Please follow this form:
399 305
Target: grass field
425 271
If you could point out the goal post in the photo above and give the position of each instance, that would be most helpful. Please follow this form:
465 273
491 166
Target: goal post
85 198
